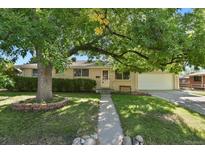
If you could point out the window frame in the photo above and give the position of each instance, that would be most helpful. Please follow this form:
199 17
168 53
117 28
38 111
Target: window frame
118 74
122 74
81 72
86 71
36 73
197 78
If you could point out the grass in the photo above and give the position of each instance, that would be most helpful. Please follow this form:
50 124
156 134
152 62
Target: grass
59 126
158 121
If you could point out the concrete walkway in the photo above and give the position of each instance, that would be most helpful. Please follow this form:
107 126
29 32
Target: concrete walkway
109 127
184 98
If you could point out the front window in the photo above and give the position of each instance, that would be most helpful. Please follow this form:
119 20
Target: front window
122 75
81 72
118 75
197 78
34 72
85 72
126 75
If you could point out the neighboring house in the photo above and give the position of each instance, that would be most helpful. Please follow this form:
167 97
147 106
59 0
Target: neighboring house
197 80
106 77
193 81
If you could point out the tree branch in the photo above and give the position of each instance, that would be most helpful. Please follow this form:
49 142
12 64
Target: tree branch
173 60
136 52
117 34
91 47
134 67
75 49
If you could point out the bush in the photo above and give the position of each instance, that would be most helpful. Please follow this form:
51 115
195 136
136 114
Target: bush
59 85
5 81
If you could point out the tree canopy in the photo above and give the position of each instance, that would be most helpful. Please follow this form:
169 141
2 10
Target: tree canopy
195 24
138 39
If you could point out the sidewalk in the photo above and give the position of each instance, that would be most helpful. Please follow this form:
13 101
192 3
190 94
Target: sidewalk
109 127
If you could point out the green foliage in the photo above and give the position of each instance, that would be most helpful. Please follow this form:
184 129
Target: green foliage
5 81
7 71
33 60
49 33
59 85
136 39
73 85
151 39
24 84
195 23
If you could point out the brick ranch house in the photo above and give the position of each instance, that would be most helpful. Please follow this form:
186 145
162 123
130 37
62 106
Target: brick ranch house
193 81
106 77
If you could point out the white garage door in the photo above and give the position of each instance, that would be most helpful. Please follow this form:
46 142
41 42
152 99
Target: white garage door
154 81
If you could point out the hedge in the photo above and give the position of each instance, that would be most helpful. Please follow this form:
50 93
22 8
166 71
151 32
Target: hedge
59 85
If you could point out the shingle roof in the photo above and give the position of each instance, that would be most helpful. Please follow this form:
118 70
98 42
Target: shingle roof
27 66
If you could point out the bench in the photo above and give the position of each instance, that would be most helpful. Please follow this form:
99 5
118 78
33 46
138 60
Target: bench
125 88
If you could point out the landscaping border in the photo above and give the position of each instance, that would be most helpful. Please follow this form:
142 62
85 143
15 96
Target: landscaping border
38 106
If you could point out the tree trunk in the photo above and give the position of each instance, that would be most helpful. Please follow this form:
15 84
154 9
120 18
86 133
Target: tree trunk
44 91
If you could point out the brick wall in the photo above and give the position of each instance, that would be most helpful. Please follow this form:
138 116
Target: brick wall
197 84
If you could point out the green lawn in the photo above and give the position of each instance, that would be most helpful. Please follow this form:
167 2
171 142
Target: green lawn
159 121
59 126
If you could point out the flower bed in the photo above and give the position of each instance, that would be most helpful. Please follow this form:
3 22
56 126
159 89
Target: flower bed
19 106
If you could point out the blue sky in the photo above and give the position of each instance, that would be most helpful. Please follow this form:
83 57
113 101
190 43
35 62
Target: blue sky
22 60
185 10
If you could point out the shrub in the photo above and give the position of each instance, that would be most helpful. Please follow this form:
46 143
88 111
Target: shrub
5 81
59 85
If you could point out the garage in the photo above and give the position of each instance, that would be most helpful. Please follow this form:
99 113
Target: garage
155 81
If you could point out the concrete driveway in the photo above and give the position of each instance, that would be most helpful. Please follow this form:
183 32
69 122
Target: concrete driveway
184 98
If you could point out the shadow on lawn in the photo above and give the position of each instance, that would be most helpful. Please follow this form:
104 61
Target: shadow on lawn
155 121
3 99
13 94
53 127
65 94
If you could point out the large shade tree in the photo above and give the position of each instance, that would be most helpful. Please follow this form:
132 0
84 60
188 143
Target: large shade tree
133 39
47 33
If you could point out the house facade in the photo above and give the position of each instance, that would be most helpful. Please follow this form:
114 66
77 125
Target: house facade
106 77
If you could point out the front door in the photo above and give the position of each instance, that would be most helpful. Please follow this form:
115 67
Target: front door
105 83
